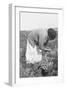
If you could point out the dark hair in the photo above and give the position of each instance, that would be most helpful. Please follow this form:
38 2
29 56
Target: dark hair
51 33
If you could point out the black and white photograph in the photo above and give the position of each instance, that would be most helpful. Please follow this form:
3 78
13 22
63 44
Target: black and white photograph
33 45
38 44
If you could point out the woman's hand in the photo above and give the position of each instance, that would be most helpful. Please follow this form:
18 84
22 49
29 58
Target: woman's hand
46 49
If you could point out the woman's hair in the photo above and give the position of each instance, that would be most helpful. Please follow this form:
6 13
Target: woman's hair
51 33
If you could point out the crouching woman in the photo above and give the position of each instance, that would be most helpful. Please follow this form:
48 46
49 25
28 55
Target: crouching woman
36 42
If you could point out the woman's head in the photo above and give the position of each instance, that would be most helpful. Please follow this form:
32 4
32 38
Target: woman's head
51 34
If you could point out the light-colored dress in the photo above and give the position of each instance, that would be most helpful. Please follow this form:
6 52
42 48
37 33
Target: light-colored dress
32 56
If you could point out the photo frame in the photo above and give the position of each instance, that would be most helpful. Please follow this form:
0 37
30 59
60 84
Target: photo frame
15 25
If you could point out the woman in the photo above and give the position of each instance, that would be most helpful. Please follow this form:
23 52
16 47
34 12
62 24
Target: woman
36 42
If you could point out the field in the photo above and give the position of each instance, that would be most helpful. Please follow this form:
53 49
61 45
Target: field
47 67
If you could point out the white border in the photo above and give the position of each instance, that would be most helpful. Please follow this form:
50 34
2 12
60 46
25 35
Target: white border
15 46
